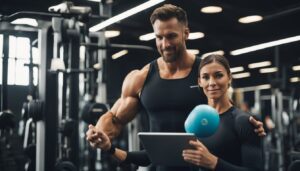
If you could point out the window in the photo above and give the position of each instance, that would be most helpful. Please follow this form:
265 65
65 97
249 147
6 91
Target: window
18 55
1 56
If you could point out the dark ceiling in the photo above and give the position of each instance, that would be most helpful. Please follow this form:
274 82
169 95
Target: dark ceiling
222 30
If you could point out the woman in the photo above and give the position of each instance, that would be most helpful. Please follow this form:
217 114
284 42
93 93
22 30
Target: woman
234 147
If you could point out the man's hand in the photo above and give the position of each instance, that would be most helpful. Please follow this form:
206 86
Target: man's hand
106 125
97 138
259 129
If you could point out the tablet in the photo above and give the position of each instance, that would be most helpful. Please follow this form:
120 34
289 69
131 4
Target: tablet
166 148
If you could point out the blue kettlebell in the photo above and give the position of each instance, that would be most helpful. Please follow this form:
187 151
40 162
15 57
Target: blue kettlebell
203 121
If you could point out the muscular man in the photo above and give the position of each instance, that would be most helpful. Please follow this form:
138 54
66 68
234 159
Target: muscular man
162 88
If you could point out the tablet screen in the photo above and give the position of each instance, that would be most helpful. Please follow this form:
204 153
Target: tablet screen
166 148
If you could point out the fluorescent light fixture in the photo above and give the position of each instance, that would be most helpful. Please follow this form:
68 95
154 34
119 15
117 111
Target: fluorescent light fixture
218 52
236 69
26 21
196 35
119 54
193 51
95 0
259 64
250 19
294 79
111 33
253 88
147 37
265 45
125 14
211 9
296 68
264 86
241 75
268 70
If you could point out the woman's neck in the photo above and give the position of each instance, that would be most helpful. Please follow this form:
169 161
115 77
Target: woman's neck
221 104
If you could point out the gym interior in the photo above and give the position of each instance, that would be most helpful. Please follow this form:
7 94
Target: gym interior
63 63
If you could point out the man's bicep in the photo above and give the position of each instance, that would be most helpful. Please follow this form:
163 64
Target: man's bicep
129 103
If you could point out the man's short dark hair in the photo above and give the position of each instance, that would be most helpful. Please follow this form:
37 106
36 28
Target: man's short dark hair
167 12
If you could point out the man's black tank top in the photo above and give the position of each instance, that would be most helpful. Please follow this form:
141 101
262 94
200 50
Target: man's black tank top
169 101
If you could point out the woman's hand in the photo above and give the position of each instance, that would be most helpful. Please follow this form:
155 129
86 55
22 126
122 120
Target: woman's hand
200 155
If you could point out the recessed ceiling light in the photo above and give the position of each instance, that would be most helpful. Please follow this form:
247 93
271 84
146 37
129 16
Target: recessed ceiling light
250 19
95 0
193 51
26 21
294 79
268 70
253 88
296 68
259 64
218 52
211 9
236 69
147 37
196 35
119 54
111 33
241 75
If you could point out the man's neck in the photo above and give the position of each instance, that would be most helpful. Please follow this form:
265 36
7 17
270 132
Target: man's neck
185 61
177 69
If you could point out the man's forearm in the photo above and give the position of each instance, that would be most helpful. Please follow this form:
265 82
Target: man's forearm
107 124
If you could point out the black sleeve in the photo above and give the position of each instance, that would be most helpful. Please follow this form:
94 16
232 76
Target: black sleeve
223 165
251 148
139 158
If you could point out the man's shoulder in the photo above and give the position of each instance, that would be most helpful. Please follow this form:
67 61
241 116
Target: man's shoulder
138 76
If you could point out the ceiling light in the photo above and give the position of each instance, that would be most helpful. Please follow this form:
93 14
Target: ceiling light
119 54
196 35
26 21
95 0
111 33
294 79
265 45
250 19
241 75
268 70
264 86
125 14
218 52
193 51
253 88
296 68
211 9
259 64
236 69
147 37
